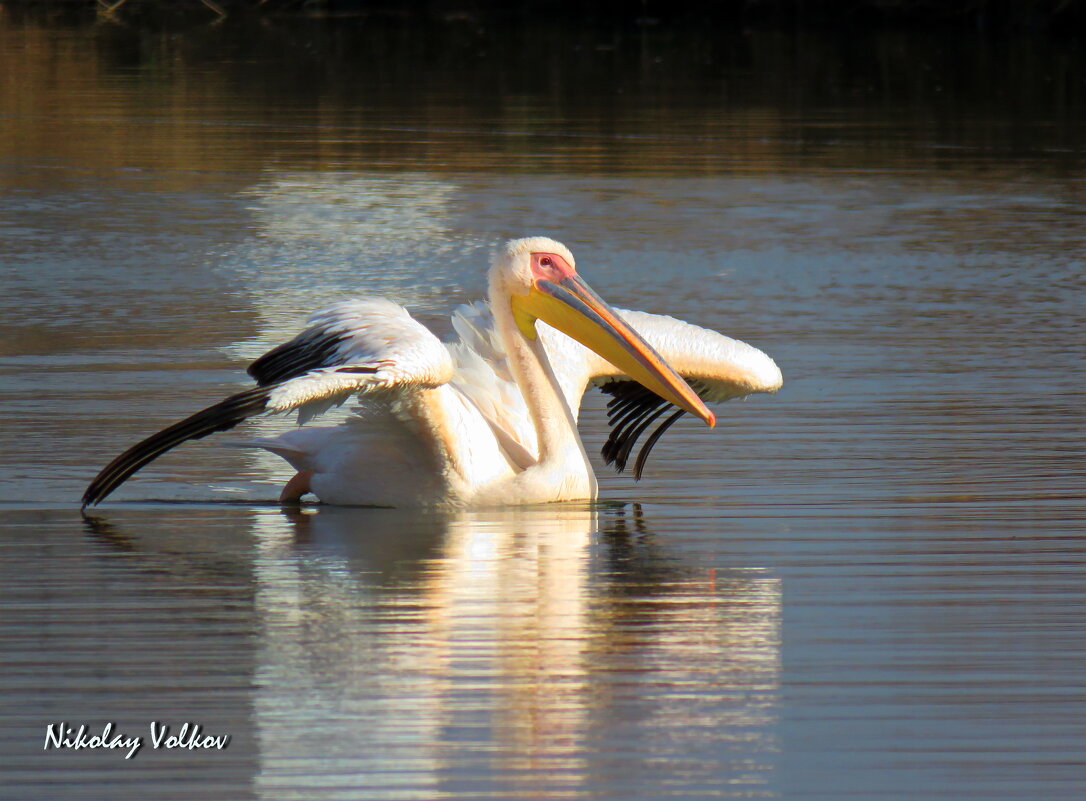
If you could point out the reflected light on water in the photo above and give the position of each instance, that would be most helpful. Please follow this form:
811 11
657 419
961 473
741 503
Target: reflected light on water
316 237
505 644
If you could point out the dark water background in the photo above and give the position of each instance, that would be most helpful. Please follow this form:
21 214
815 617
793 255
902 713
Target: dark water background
868 586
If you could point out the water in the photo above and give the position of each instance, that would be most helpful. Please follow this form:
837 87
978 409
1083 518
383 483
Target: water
867 586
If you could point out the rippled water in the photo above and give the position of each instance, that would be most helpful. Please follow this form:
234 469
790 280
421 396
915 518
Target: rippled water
867 586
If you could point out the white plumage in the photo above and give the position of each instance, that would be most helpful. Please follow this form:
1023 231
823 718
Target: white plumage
366 333
489 419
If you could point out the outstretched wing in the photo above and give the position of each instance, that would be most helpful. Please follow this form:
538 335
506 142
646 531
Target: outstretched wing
717 367
368 346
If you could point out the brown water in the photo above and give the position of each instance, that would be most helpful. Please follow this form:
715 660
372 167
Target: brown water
868 586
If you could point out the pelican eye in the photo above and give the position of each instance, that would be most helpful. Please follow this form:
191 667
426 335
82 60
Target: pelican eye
546 262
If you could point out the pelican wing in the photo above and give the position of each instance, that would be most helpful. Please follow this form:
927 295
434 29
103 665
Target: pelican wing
365 346
717 367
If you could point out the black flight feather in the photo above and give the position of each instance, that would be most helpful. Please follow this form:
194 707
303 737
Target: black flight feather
222 416
310 350
639 464
631 410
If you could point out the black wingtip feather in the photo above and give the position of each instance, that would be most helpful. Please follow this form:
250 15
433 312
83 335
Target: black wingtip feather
631 410
222 416
307 351
650 443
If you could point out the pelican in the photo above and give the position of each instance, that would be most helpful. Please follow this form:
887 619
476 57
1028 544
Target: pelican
489 420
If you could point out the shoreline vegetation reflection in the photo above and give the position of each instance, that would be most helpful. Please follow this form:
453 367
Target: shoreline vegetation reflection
386 95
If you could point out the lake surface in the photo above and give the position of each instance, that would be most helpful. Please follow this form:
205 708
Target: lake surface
871 585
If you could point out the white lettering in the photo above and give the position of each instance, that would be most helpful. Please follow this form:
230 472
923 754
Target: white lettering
190 736
157 734
52 736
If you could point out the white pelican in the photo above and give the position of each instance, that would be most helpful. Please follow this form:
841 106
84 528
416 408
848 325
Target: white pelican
489 420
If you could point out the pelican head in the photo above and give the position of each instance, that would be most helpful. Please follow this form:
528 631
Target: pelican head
539 276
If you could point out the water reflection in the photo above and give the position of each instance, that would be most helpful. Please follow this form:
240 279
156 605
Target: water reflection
394 96
317 236
505 645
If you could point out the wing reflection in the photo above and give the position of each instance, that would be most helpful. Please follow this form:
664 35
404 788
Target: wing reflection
533 651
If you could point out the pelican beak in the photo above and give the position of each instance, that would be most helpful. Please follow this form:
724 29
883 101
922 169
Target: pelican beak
571 306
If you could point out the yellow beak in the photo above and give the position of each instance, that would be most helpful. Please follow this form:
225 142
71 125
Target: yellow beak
572 307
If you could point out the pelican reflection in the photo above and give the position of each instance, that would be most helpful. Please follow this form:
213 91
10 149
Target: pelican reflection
540 647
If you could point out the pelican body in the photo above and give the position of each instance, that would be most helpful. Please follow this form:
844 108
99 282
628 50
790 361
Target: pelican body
488 420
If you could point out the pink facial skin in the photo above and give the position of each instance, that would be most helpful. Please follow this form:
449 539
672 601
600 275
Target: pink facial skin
551 267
